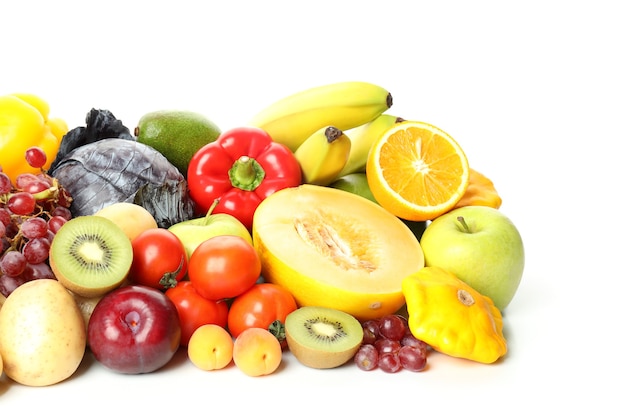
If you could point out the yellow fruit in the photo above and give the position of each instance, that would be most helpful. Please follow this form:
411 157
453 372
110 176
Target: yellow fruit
210 347
131 218
480 192
257 352
331 248
42 334
417 171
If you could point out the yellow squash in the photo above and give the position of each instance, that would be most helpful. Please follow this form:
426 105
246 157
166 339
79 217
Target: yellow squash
480 192
452 317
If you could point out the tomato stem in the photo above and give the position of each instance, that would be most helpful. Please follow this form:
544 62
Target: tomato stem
277 328
168 280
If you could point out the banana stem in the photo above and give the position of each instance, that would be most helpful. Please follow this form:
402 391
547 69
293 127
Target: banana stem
332 134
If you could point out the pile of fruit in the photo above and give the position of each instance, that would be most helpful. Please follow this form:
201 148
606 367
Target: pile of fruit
327 228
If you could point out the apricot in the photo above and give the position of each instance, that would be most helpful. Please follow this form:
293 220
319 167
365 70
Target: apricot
257 352
131 218
210 347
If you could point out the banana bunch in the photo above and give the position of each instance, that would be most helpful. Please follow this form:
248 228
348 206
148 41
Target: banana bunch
344 105
323 155
362 138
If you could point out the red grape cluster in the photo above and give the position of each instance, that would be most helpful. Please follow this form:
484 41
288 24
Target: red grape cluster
388 344
31 212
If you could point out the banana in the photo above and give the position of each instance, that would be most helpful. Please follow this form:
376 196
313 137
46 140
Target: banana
344 105
322 155
362 138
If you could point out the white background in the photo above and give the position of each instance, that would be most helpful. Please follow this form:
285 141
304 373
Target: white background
533 91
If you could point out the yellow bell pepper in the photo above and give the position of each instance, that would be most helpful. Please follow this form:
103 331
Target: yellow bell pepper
24 122
480 192
452 317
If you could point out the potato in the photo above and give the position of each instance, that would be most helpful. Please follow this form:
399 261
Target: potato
42 333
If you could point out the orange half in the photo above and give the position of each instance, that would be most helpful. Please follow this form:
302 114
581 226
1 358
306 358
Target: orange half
417 171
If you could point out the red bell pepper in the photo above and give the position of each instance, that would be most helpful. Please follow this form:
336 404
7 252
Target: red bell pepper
241 168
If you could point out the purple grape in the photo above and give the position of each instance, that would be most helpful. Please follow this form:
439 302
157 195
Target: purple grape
38 271
5 183
8 284
372 327
366 358
389 362
22 203
36 250
62 212
35 157
387 346
34 227
12 263
412 358
392 327
410 340
5 216
55 223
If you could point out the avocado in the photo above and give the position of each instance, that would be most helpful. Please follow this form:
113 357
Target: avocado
177 134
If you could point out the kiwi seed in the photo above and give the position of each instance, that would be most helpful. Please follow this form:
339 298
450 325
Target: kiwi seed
321 337
90 255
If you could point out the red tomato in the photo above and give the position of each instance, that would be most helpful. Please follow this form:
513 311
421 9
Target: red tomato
159 259
195 310
260 306
224 267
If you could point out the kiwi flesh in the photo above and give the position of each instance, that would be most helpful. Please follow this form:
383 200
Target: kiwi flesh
90 255
322 337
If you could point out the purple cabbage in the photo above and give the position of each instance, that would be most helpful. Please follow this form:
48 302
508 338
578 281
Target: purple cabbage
99 171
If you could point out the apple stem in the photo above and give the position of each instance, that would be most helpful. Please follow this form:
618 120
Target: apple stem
464 225
210 211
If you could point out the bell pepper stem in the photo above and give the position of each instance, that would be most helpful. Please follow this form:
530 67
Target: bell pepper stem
246 173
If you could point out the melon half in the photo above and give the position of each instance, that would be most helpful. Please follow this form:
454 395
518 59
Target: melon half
335 249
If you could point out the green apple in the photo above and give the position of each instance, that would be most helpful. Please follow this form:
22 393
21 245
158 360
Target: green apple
481 246
195 231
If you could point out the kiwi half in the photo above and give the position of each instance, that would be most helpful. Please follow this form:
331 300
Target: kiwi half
90 255
321 337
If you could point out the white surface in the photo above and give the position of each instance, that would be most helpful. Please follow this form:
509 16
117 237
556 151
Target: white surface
534 92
